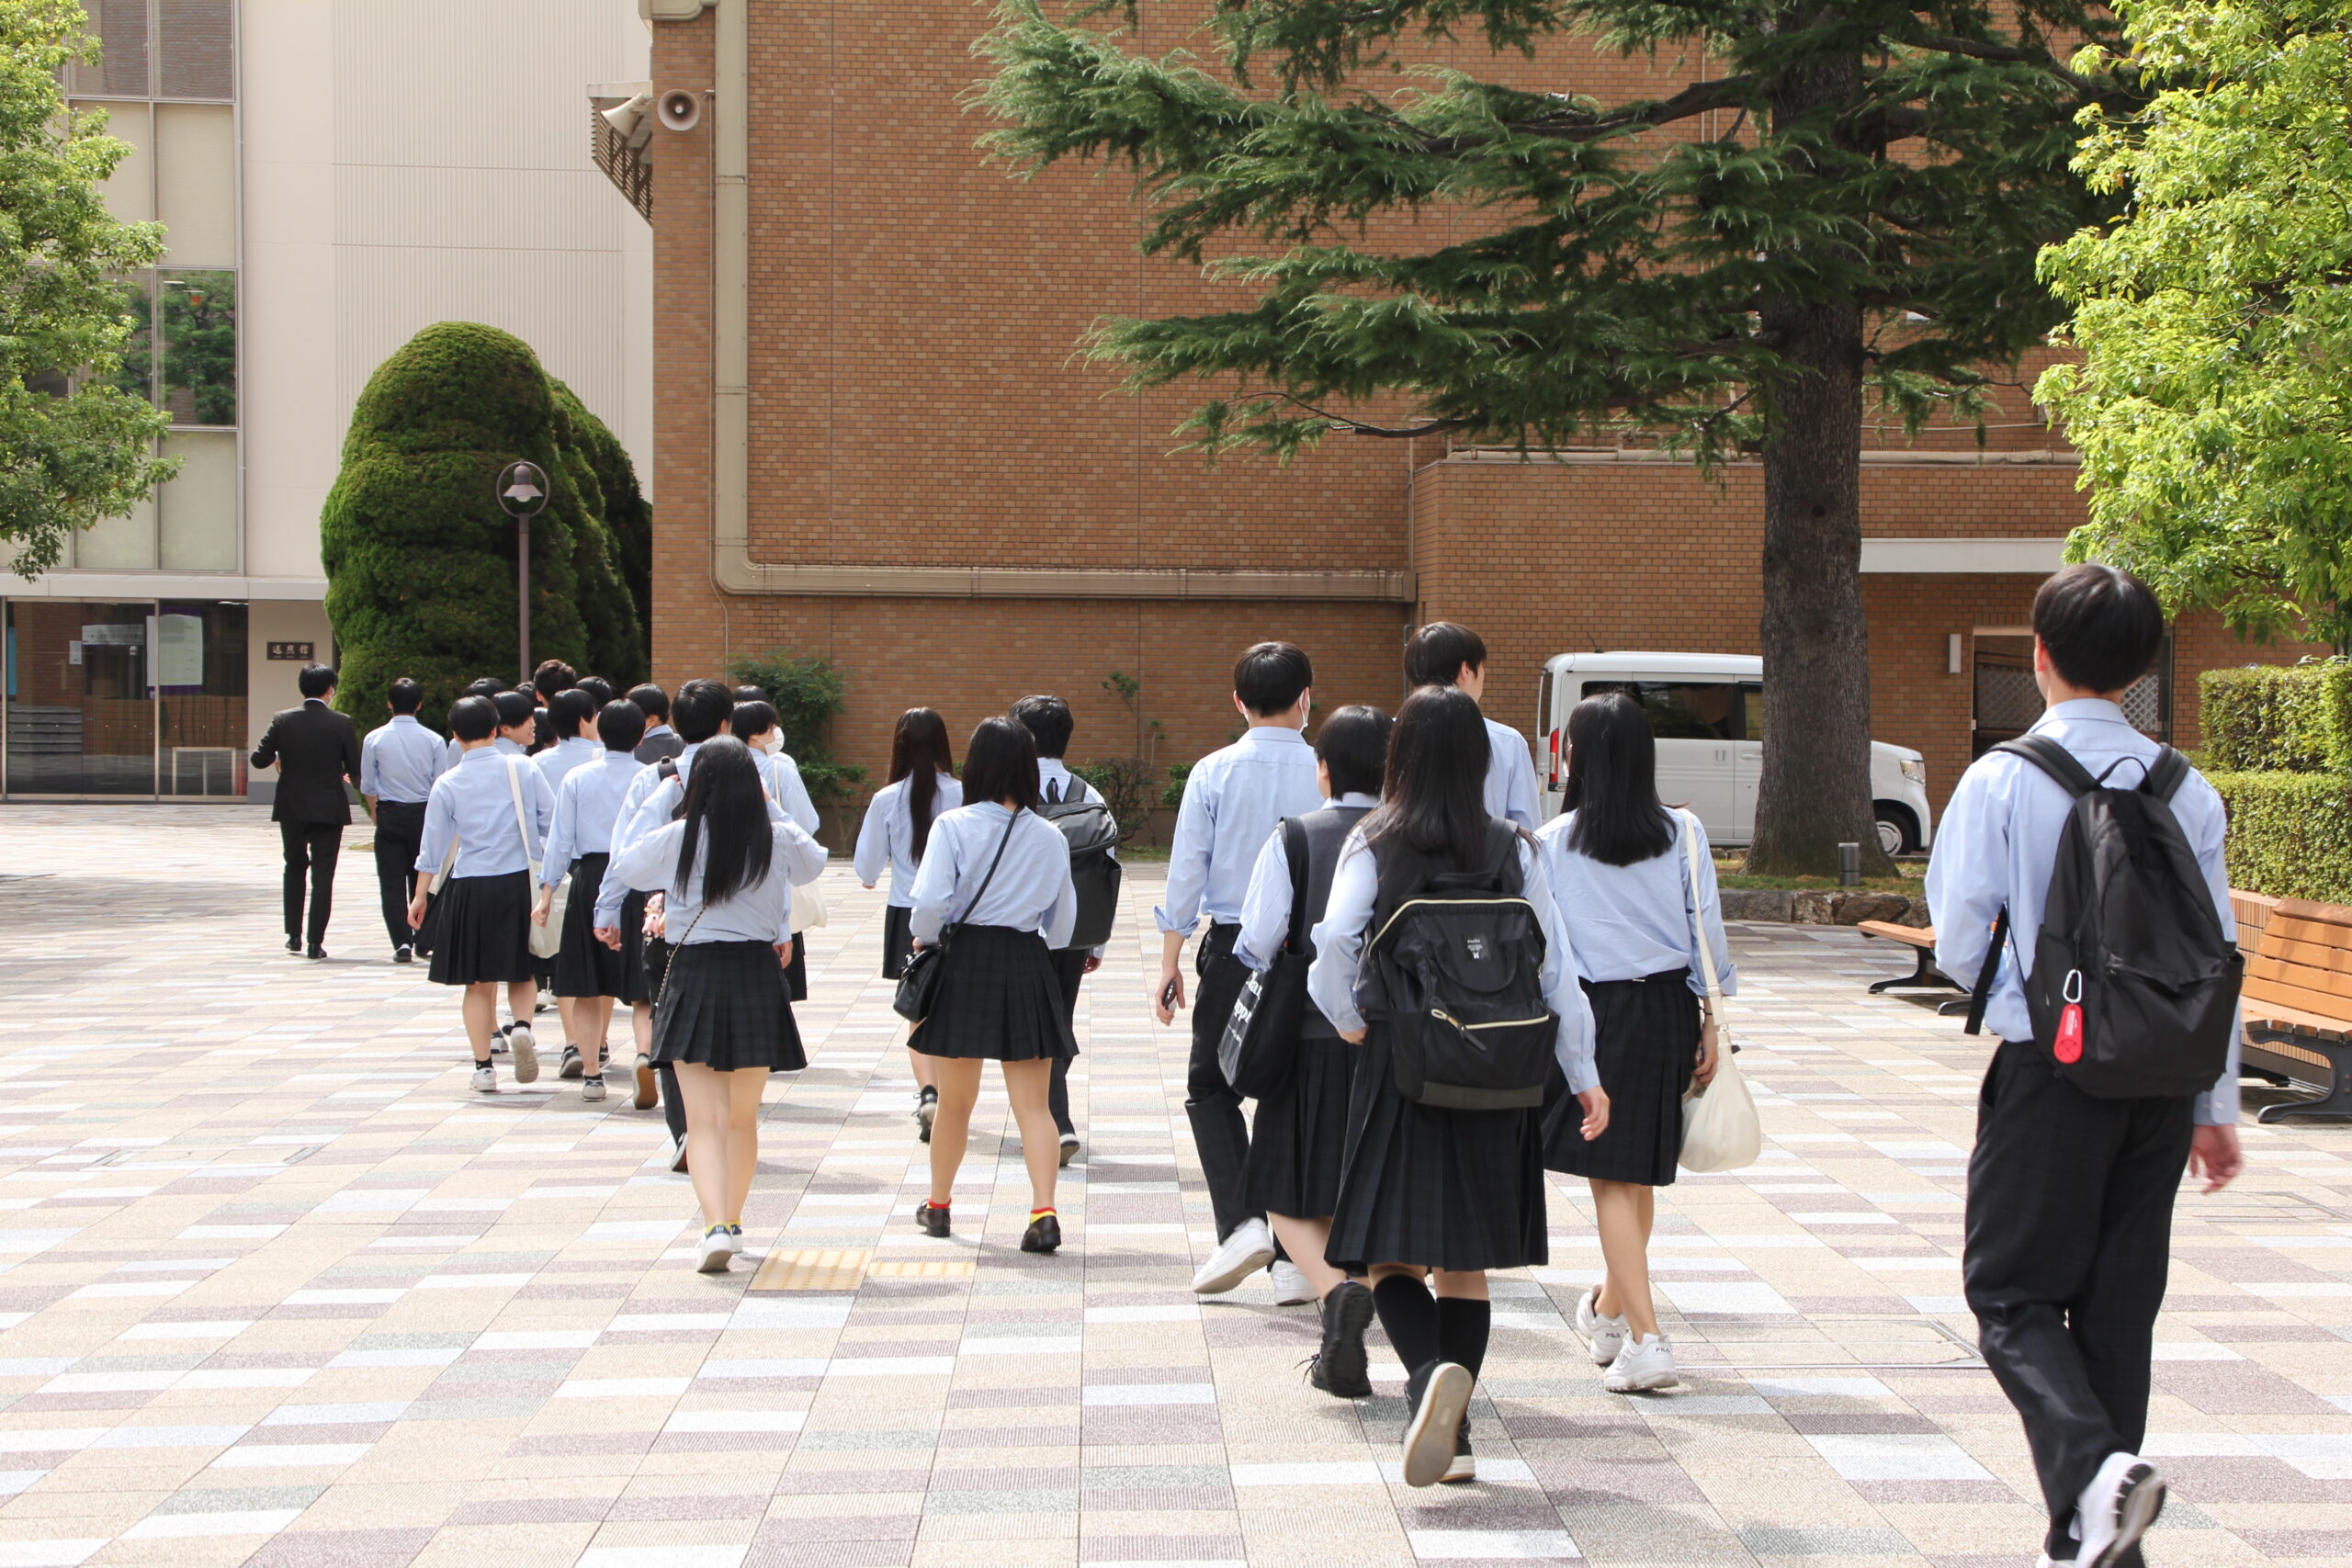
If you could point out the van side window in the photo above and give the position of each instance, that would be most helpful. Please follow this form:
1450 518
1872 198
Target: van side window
1751 713
1678 710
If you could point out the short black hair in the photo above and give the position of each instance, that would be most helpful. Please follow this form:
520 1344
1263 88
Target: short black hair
1048 722
702 707
553 675
515 709
753 716
1435 653
620 725
751 694
473 718
568 710
315 680
2102 627
1353 743
405 696
1000 764
652 702
600 691
488 686
1269 677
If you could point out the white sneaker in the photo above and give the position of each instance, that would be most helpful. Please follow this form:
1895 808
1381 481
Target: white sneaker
1291 1288
1647 1361
735 1240
486 1079
526 1053
1250 1248
1607 1334
2115 1509
718 1250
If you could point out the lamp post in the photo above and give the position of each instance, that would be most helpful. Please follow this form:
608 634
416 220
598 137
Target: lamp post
523 491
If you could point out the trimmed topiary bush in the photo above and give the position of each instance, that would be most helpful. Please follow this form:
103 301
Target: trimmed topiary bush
628 517
420 559
2291 718
2291 834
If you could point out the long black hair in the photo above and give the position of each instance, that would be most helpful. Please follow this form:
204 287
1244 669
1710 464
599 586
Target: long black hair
727 818
1000 764
919 754
1436 788
1612 782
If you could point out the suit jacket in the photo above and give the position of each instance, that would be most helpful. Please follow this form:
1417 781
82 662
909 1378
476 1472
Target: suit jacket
316 749
657 747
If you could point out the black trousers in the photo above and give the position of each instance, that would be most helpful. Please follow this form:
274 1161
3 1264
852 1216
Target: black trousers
2068 1242
1220 1132
1069 968
399 833
311 850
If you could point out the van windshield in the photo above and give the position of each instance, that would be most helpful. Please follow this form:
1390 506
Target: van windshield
1680 710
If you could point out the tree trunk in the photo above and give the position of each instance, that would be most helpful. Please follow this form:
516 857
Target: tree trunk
1816 792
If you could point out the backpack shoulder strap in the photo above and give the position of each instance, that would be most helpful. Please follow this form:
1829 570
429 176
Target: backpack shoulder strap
2166 774
2051 758
1294 850
1982 992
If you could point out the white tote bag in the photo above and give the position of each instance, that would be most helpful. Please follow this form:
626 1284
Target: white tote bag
547 940
1720 1129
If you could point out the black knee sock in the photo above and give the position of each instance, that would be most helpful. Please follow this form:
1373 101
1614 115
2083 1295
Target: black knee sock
1408 1316
1461 1327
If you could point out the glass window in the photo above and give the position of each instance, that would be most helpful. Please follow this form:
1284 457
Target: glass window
199 311
1677 710
121 27
198 525
1751 713
130 191
81 714
196 182
120 544
136 374
200 697
198 42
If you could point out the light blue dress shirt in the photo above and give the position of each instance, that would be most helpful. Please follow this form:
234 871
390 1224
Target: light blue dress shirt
887 838
456 750
1030 890
474 803
761 912
587 812
1998 842
1233 797
1338 955
1265 908
650 802
1510 775
565 755
1632 920
787 789
399 761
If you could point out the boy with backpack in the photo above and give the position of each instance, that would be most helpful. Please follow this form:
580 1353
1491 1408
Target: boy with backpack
2079 874
1075 807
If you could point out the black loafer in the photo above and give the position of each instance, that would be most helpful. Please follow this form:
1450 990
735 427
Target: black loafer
404 955
317 952
933 1221
293 944
1340 1367
1044 1234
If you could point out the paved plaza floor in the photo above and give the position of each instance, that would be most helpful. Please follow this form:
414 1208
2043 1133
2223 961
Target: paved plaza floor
278 1289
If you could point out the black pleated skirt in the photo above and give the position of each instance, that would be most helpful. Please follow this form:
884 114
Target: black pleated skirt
1432 1186
1298 1139
724 1007
1646 1043
584 967
999 999
898 940
482 931
637 978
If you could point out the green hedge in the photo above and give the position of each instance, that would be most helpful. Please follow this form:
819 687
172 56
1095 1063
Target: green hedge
2293 719
2291 834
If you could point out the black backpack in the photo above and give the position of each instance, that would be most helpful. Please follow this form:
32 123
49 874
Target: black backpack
2134 989
1459 966
1092 834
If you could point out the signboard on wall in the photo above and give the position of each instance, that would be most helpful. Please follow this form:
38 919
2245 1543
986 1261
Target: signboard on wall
297 652
179 652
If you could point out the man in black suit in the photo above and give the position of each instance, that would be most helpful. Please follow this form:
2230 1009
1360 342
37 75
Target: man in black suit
315 749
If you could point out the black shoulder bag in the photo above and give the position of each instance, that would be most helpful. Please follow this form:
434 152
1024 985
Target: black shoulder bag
918 985
1260 1048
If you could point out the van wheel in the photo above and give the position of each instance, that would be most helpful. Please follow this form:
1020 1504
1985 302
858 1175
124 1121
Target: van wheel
1898 834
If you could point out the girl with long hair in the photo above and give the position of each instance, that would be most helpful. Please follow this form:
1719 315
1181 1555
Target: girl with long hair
1435 1195
1619 867
897 830
723 1019
995 882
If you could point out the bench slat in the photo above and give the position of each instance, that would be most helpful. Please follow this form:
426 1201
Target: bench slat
2307 954
1910 936
2313 909
2319 933
2284 1017
2325 982
2321 1004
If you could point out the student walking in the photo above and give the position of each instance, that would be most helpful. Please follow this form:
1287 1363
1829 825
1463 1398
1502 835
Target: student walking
2082 1131
995 885
1443 653
486 821
1298 1138
315 749
754 724
726 872
1619 866
1233 797
571 722
1438 1194
398 762
1050 725
589 975
898 820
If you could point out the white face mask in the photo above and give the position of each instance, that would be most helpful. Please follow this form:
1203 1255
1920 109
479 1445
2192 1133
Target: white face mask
773 741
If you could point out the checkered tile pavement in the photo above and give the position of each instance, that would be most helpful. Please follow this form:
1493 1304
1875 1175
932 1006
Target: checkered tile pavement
276 1289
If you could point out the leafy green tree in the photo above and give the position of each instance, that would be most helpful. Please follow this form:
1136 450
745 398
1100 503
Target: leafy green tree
419 558
75 446
1840 208
2213 401
628 517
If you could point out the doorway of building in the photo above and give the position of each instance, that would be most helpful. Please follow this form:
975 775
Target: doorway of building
2008 701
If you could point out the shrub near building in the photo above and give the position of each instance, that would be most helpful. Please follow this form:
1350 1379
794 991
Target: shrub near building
2278 747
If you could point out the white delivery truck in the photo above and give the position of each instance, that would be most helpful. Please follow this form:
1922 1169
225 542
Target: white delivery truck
1707 711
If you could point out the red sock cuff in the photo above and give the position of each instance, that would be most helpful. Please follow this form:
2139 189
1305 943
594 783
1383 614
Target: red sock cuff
1041 1214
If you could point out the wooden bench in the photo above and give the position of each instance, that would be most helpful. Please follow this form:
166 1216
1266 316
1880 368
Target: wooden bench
2298 998
1924 975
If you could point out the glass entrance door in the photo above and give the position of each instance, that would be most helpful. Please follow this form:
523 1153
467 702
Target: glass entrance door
81 697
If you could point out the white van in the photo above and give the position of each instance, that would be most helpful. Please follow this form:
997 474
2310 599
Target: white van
1707 710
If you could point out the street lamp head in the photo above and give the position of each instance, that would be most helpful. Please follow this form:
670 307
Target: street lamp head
522 489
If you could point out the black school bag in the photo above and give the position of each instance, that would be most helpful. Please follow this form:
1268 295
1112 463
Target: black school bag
2134 990
1459 966
1092 834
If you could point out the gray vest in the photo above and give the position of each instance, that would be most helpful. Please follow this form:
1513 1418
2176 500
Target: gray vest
1327 831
